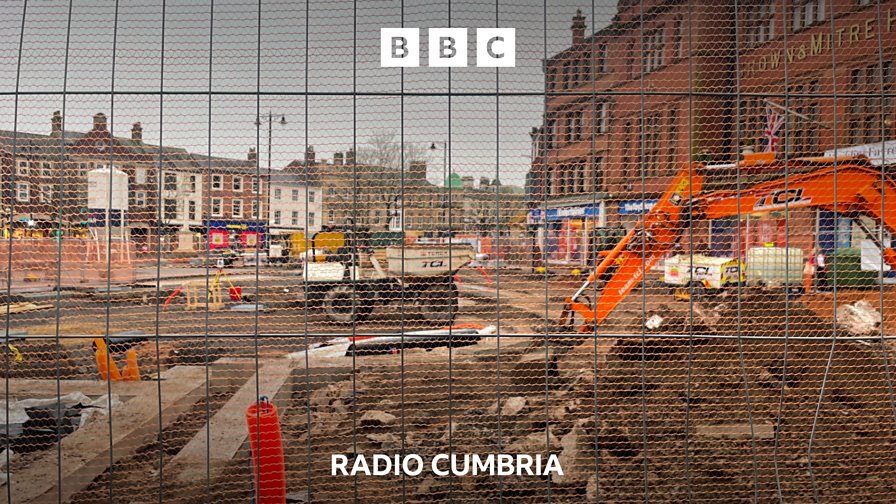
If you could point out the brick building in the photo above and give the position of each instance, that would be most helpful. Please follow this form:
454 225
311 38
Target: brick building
44 181
666 82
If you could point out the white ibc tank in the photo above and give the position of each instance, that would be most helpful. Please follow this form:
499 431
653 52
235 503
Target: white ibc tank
99 188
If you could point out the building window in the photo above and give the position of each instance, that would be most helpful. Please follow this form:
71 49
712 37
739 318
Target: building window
139 175
865 112
673 137
567 75
217 207
192 183
653 53
601 63
23 168
806 13
256 184
294 220
626 151
254 209
170 182
237 206
311 196
140 198
581 174
802 135
23 192
759 25
576 129
217 182
549 135
278 193
331 217
191 210
277 215
170 209
311 219
46 193
597 173
45 170
295 195
649 150
237 184
678 39
603 118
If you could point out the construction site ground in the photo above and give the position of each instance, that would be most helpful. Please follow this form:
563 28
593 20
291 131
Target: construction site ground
709 419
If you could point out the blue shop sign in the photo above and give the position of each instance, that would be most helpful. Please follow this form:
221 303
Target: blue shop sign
636 207
562 213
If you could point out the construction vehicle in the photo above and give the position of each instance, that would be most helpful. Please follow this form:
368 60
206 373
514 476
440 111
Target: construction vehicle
849 186
351 280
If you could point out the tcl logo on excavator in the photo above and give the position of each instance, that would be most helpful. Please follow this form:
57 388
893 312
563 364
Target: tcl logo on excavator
780 199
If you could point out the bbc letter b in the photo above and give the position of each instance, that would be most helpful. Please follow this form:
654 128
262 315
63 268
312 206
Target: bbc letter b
399 47
447 47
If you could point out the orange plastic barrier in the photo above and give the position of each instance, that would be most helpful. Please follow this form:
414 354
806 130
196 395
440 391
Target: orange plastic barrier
106 365
266 443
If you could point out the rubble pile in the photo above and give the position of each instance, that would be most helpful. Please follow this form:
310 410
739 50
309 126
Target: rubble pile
701 418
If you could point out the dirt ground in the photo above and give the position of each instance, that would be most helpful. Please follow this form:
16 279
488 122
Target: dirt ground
707 419
702 419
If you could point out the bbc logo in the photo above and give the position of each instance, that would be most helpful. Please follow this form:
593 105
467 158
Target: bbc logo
400 47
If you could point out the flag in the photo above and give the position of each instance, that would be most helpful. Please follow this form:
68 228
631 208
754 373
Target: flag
774 122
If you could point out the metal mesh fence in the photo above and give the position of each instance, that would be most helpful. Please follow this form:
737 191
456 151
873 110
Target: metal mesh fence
654 248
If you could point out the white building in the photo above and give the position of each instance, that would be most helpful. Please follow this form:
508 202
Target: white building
181 200
295 204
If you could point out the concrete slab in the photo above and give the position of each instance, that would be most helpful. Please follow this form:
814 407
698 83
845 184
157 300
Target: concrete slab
221 438
85 453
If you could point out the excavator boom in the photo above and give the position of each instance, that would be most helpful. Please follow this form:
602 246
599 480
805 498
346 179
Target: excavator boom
849 187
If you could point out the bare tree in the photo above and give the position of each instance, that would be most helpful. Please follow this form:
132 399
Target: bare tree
384 148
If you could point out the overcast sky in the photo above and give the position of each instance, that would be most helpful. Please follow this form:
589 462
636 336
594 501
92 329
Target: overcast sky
227 45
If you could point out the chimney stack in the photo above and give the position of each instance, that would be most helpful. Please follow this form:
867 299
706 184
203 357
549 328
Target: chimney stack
578 28
417 170
56 124
137 132
350 157
253 156
309 155
99 122
337 158
483 182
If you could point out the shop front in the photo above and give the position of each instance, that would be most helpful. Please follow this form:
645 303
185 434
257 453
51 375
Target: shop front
564 230
236 234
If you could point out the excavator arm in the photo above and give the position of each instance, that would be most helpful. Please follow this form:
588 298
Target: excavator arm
637 251
850 187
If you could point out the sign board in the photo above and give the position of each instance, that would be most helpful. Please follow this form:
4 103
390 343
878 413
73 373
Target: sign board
569 212
636 207
107 190
878 153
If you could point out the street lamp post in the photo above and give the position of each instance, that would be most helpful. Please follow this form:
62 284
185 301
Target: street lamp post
445 179
282 122
433 147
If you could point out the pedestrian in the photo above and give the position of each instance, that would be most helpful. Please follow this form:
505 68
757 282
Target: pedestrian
821 270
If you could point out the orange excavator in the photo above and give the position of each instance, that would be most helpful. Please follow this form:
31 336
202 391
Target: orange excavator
850 186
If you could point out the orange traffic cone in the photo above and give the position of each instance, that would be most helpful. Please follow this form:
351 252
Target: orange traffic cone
131 371
104 362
